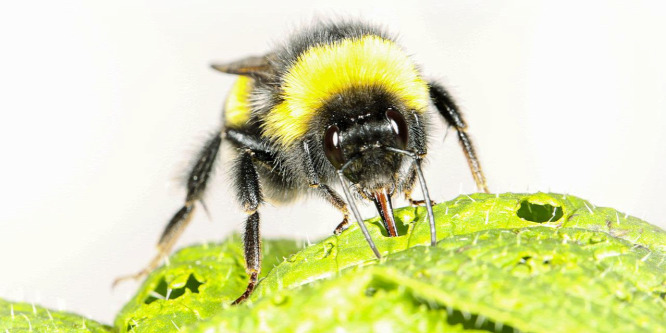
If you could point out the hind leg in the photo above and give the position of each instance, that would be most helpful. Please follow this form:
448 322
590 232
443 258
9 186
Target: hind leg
196 186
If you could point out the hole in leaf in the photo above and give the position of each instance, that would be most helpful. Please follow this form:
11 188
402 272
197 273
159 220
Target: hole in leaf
329 248
162 290
539 213
401 227
524 260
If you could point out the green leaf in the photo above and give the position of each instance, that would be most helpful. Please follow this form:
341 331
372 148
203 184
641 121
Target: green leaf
540 262
194 285
18 317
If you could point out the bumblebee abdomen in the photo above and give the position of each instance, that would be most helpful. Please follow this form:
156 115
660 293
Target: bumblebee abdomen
237 108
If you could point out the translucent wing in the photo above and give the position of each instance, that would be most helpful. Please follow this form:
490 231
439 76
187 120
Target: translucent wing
257 67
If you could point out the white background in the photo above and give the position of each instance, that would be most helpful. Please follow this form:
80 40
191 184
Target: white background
103 104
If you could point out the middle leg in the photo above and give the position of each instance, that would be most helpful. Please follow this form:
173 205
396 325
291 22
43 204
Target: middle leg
444 103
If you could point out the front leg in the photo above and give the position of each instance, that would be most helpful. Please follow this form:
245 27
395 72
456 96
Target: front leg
334 199
408 187
325 191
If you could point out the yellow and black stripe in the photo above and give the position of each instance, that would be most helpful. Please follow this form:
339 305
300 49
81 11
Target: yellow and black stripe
324 71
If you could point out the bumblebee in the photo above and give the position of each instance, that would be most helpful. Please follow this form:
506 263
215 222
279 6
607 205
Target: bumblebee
340 103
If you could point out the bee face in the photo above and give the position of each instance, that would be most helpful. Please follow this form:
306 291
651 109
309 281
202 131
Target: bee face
359 146
356 137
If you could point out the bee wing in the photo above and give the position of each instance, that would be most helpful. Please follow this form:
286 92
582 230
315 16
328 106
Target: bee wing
257 67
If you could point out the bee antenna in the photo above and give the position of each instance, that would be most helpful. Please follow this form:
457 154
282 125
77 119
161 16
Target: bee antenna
424 189
357 215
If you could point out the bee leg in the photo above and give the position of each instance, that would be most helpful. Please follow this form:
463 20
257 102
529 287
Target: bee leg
196 185
326 191
331 196
408 187
342 226
449 110
252 245
250 197
419 202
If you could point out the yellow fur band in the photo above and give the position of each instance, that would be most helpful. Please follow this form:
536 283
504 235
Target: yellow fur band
324 71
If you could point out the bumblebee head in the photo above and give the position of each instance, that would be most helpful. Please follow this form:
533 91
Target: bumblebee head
359 145
356 137
360 138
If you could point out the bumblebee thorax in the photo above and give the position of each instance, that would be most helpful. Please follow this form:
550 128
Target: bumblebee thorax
325 72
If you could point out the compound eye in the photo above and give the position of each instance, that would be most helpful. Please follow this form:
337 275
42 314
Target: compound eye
332 147
399 127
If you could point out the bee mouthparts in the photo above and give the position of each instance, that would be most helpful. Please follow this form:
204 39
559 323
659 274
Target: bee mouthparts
382 200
